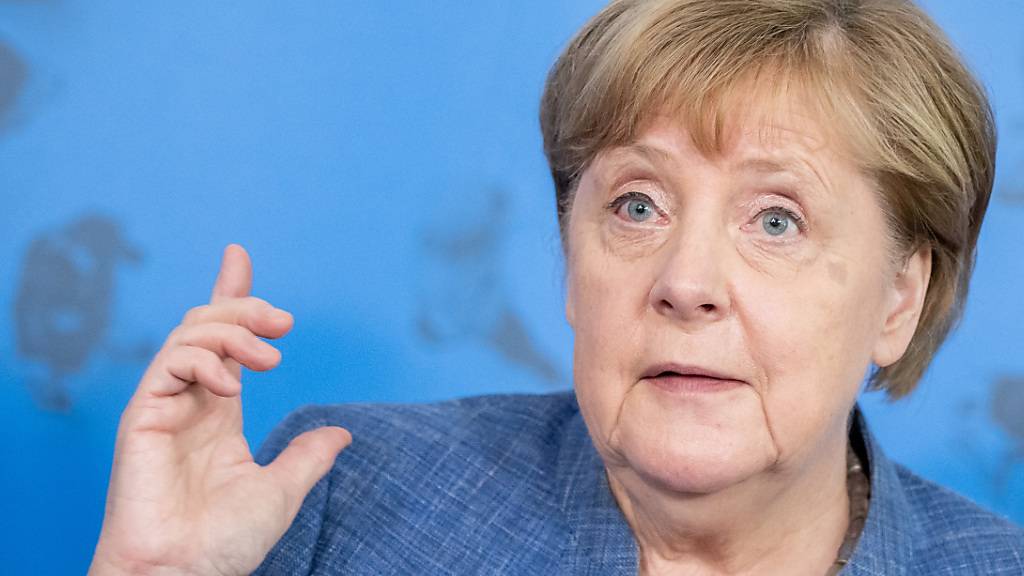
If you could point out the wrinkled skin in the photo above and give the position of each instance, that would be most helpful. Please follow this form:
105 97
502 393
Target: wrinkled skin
767 265
185 495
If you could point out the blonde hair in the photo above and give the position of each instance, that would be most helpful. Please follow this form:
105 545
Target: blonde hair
920 122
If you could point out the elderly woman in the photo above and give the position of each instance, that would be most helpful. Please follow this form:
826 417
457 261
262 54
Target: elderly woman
761 203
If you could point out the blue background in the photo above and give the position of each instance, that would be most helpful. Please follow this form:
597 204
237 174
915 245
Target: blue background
382 163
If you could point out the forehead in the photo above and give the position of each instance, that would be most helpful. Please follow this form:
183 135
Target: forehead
755 135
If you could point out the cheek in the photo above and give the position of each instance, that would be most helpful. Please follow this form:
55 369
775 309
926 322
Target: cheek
607 302
607 292
812 336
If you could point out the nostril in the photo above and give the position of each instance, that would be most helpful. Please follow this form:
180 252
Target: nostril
707 307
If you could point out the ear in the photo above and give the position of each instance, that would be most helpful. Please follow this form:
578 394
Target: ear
906 300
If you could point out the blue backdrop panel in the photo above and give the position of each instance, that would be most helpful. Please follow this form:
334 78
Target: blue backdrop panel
382 163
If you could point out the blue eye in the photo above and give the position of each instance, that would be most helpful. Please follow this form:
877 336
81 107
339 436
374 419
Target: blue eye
776 222
639 210
638 207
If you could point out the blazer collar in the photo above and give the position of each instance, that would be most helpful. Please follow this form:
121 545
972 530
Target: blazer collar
886 544
600 541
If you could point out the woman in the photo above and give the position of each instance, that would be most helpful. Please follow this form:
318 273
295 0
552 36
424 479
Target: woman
760 202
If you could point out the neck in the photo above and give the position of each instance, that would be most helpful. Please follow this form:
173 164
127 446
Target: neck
782 521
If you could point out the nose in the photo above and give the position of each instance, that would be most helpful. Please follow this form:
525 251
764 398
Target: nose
691 285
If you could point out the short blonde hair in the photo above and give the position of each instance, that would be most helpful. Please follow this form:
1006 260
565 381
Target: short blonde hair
882 68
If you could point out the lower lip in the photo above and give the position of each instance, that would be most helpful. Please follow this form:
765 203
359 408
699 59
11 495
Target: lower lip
694 384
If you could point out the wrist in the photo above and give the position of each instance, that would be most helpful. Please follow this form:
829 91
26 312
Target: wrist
106 563
103 566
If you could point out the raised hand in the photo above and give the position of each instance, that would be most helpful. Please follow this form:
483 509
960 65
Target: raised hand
185 495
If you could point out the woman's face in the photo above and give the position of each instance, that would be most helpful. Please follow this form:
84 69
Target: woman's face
726 308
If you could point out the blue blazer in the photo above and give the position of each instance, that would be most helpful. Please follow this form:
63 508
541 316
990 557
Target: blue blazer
513 485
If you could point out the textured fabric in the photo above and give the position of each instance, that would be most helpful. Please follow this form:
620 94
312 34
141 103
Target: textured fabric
513 485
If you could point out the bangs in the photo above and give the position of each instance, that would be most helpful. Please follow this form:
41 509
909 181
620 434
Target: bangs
878 77
706 72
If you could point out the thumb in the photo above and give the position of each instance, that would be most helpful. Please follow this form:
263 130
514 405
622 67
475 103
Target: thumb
307 458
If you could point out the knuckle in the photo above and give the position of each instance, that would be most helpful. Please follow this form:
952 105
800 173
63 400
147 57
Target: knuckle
316 450
164 357
257 302
182 356
238 332
211 336
196 314
252 309
304 445
177 334
234 337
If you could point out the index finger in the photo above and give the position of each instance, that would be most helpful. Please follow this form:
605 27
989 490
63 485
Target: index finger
235 277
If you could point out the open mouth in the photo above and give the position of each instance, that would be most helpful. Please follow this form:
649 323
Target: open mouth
691 381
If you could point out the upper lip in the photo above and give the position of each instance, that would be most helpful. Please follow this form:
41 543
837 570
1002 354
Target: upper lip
685 370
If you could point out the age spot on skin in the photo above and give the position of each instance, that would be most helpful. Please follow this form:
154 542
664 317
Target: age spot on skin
837 272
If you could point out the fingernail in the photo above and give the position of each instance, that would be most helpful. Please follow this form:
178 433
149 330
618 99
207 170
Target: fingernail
281 316
345 435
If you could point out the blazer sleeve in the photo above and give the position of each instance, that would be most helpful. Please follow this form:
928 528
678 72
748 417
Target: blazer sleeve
295 551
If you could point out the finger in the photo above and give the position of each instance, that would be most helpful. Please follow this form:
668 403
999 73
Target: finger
233 281
228 341
259 316
307 458
187 365
235 277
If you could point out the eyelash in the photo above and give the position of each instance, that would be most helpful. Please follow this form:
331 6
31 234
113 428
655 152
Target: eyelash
617 203
801 225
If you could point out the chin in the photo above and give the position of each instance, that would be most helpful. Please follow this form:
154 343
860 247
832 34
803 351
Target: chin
699 452
695 472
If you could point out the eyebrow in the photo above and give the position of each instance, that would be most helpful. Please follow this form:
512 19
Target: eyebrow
802 172
764 164
760 163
